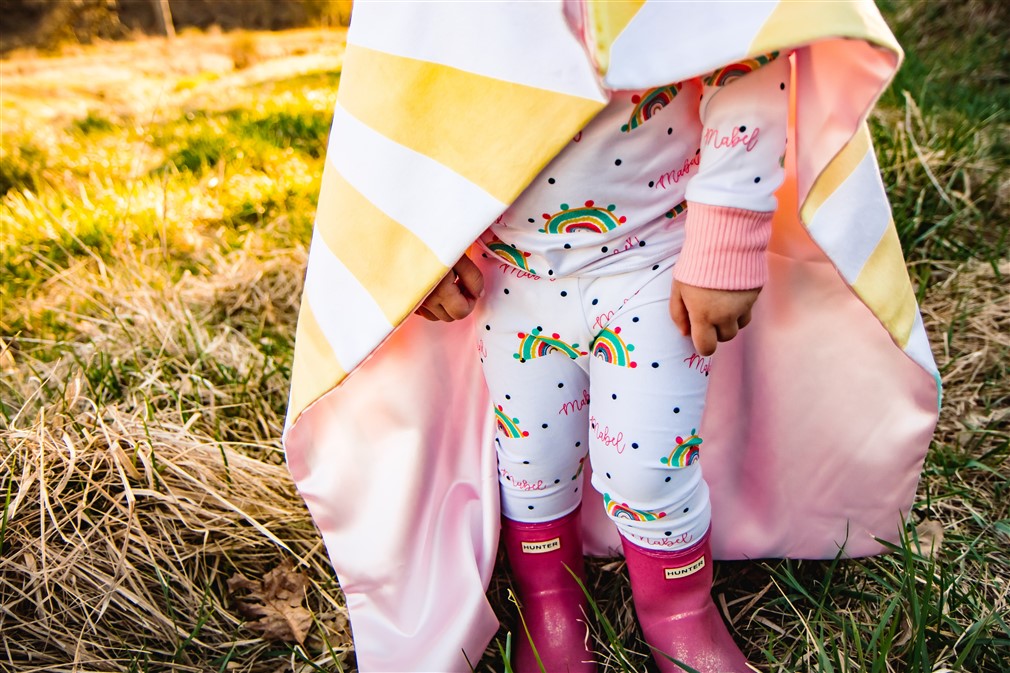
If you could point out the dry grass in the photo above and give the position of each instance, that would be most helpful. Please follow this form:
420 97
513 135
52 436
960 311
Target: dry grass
120 535
968 318
127 512
144 361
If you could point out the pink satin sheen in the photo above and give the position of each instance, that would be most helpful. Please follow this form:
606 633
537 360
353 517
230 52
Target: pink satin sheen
825 119
777 488
398 470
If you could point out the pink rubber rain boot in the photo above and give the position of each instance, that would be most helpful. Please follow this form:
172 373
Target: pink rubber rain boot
552 603
673 601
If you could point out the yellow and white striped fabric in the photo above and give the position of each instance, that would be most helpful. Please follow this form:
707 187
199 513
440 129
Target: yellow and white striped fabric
435 134
432 138
847 214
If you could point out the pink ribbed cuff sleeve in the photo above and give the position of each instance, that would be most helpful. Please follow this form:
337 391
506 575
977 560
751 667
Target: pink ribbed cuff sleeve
724 248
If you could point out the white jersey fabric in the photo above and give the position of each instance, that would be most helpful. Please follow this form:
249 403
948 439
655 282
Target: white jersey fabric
616 197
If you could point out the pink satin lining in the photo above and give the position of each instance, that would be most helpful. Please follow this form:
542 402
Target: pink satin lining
833 103
817 442
398 470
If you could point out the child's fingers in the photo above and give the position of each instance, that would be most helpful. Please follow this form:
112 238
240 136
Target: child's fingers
727 329
454 297
425 313
704 337
456 305
443 292
469 277
440 313
679 312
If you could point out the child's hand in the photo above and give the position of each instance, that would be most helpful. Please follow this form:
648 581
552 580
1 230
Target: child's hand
709 316
455 295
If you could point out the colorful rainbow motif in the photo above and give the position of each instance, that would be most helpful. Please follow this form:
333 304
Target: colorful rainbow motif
728 73
677 210
533 345
509 427
621 511
590 217
610 347
510 254
685 453
648 105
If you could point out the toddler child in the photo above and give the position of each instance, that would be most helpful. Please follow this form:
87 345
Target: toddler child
600 295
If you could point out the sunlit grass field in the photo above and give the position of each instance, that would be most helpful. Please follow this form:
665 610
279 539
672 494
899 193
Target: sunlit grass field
156 202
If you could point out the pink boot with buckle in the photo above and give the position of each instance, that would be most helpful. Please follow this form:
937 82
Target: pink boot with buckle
553 604
673 601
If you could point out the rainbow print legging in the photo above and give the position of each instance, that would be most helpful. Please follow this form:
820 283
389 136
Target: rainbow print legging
592 372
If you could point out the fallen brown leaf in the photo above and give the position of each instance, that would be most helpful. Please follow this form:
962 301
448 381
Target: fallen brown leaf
274 603
929 534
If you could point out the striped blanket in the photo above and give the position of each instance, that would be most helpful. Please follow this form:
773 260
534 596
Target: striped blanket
820 412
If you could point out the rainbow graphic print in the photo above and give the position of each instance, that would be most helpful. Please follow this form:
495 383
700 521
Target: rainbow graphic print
610 347
590 217
510 254
685 453
508 427
677 210
728 73
620 510
534 345
648 105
